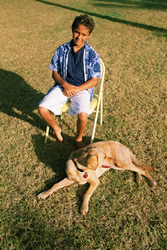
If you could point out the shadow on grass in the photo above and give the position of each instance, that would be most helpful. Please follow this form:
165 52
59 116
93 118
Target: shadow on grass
130 23
52 154
147 4
18 99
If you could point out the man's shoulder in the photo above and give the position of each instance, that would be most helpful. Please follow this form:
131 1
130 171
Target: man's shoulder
62 50
64 46
91 53
89 48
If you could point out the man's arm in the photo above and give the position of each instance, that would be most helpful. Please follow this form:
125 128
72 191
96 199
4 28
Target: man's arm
71 90
87 85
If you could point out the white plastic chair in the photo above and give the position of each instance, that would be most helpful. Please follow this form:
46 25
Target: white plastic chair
96 105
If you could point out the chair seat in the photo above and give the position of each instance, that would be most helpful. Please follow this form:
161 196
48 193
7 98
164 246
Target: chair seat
65 107
93 105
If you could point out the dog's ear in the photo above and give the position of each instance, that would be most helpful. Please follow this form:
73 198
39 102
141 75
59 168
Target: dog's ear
95 157
91 159
88 159
82 159
92 162
101 156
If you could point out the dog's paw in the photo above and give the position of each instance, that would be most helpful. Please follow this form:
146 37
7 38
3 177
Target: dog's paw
43 195
154 185
84 209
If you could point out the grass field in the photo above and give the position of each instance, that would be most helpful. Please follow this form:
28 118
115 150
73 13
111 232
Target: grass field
131 38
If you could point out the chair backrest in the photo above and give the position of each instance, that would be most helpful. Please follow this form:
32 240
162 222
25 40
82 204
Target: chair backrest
99 101
102 67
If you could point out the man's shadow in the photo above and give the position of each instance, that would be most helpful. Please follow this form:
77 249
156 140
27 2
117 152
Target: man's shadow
18 99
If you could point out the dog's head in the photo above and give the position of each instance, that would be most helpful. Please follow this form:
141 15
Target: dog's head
91 159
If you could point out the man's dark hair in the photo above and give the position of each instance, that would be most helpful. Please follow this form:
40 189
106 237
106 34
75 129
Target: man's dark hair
85 20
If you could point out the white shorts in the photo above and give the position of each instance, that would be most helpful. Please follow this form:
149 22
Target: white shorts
55 99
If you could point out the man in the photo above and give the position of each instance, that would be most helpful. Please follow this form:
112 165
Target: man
75 68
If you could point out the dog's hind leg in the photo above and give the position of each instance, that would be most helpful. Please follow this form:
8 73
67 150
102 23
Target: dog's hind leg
140 171
150 178
136 162
93 181
64 183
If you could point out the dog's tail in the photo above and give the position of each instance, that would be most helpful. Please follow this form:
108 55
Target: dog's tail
138 163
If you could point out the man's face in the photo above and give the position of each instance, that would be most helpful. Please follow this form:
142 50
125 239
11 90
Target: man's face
80 35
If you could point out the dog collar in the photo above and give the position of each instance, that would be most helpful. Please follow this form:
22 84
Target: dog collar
78 167
105 166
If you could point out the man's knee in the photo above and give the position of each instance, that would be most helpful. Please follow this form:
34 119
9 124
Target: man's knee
83 116
42 111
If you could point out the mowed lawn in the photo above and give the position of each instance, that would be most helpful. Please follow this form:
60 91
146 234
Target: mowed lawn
131 38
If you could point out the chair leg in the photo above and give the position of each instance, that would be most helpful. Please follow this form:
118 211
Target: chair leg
47 134
101 111
95 122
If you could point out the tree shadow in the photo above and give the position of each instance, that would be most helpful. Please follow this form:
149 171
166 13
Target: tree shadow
18 99
149 4
117 20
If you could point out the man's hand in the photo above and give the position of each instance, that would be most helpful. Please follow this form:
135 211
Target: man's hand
69 90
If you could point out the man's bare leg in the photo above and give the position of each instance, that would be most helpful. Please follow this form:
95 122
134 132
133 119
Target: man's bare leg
48 117
81 125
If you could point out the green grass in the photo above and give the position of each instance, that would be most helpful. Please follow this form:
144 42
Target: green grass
130 37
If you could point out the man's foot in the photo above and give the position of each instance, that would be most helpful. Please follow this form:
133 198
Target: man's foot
79 144
58 135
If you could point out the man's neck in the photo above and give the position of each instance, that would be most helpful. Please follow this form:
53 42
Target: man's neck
77 48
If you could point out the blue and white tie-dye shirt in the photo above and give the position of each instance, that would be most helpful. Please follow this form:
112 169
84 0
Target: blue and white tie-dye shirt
91 62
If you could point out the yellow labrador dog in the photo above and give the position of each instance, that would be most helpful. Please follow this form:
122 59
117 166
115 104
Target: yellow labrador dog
90 162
